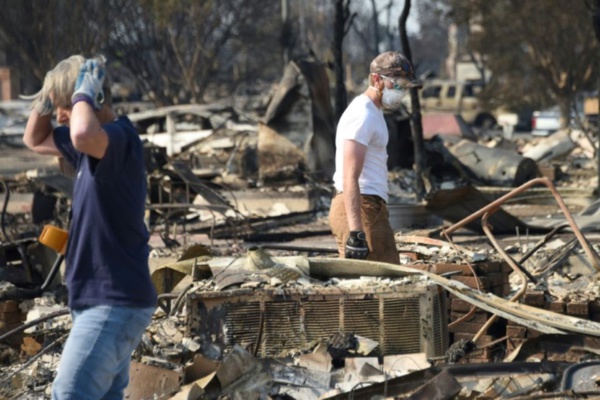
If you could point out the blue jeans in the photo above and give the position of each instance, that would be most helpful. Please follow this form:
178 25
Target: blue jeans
95 360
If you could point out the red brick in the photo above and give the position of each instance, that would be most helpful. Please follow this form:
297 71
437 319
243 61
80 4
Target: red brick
555 306
478 316
513 343
515 331
578 309
411 255
9 306
446 268
532 333
497 278
471 281
534 298
466 327
460 305
12 316
504 267
6 326
422 267
487 267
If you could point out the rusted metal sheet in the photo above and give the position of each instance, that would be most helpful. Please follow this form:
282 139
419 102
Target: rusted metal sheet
443 387
150 382
493 166
406 384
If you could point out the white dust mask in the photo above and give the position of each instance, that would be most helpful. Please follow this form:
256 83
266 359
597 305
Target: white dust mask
392 98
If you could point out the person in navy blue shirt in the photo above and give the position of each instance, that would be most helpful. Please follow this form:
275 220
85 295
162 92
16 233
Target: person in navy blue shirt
110 293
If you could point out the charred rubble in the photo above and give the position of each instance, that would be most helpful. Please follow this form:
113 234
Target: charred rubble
496 295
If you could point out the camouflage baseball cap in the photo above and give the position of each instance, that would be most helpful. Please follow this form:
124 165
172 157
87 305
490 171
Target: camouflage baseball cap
394 65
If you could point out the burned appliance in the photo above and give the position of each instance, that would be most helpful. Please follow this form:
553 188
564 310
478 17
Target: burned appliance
403 319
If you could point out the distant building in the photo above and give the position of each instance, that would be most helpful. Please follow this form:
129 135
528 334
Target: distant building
9 80
460 63
9 83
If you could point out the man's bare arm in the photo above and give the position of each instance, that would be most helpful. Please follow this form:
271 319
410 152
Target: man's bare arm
354 159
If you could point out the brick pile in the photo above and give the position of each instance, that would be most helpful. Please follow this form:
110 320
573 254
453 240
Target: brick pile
11 317
492 278
517 334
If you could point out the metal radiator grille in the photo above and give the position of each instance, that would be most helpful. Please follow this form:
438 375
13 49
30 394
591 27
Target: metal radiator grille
282 329
409 319
363 318
242 322
402 326
320 319
440 323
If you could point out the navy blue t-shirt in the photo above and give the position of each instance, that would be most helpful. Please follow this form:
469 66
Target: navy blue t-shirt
107 251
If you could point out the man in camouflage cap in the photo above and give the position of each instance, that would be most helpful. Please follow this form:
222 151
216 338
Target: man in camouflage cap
358 215
394 65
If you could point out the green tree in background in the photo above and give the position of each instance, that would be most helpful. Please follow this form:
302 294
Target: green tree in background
179 47
538 51
36 34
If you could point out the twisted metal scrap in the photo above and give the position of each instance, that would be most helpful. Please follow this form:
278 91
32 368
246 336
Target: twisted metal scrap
494 206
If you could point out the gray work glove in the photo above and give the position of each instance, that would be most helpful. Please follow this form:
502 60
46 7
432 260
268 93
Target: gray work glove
356 246
89 84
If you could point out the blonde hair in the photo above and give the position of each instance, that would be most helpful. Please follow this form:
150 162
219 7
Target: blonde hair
60 82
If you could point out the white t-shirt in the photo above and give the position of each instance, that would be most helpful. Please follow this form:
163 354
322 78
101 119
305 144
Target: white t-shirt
364 123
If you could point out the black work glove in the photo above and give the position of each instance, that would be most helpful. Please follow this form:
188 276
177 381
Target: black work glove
356 245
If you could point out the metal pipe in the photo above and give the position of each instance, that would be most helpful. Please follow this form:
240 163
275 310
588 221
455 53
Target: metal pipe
295 248
493 206
511 263
62 311
543 241
4 207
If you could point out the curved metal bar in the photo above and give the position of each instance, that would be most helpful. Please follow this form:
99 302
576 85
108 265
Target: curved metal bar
592 256
511 263
4 207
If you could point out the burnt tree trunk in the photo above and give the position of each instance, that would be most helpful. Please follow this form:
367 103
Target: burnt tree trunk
375 19
416 124
338 61
596 25
286 32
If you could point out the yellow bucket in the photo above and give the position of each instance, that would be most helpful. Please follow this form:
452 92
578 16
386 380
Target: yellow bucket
55 238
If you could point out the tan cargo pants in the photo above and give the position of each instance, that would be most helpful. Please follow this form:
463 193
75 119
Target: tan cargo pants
374 214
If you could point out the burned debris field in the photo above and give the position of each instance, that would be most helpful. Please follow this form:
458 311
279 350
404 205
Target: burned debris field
496 293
